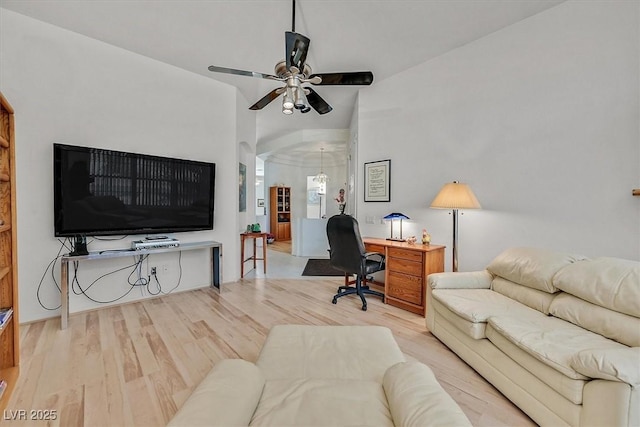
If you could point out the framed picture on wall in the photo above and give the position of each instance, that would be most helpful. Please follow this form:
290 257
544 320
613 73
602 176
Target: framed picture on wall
242 188
261 203
377 181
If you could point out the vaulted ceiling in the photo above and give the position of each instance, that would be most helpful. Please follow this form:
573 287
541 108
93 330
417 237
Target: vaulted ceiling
385 37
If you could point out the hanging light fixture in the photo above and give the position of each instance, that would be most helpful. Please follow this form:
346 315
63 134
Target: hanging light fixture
322 177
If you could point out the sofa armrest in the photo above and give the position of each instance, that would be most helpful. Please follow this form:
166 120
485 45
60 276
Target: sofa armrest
227 396
417 399
467 280
621 364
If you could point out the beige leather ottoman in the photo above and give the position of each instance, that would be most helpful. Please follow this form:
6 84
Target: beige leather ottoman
319 376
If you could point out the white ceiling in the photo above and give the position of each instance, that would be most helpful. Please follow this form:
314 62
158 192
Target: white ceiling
385 37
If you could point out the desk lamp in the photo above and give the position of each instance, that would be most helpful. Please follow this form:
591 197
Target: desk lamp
391 217
455 195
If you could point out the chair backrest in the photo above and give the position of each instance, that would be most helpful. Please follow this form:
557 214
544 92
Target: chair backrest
346 249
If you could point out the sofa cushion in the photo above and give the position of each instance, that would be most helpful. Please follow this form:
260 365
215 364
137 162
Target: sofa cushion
322 402
609 282
327 352
538 300
227 396
475 330
463 280
417 399
550 340
477 305
569 388
614 365
611 324
531 267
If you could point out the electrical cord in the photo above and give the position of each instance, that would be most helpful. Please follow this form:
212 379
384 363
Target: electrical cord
160 291
77 289
140 281
51 265
76 283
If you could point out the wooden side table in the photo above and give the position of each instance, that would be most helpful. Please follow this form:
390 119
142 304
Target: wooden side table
254 257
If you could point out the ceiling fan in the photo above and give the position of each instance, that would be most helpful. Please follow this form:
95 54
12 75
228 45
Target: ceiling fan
294 72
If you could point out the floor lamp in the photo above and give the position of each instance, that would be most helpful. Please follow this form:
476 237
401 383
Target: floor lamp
454 196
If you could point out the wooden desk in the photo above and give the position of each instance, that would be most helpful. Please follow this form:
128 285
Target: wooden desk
254 257
407 268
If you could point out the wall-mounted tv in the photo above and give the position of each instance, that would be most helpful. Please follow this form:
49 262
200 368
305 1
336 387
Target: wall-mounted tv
106 192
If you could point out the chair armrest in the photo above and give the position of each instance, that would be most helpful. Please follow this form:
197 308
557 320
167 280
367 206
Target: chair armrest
466 280
374 254
227 396
622 364
369 254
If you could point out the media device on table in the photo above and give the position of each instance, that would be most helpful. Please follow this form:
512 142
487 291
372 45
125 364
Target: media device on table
99 192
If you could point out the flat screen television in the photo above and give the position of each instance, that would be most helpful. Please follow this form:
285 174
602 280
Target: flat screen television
101 192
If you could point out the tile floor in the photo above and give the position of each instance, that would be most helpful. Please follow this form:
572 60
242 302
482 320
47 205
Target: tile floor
279 266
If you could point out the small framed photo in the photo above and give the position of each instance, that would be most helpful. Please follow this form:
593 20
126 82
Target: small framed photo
377 181
261 203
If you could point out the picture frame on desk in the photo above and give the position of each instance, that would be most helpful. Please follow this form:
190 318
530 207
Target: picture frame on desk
377 181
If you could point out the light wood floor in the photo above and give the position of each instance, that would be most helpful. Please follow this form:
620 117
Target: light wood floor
281 246
136 364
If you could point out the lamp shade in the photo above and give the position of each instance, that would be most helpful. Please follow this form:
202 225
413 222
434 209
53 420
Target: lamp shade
455 195
396 215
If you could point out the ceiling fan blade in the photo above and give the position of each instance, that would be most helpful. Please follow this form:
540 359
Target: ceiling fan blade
297 47
353 78
318 104
265 100
225 70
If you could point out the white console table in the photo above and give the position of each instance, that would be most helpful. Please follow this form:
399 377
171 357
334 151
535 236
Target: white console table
216 253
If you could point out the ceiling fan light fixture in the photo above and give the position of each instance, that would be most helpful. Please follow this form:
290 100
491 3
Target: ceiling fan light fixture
293 71
287 101
300 99
287 111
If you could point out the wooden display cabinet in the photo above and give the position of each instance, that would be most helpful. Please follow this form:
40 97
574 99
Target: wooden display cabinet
9 333
280 212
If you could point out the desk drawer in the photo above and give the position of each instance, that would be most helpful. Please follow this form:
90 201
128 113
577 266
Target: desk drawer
374 248
404 266
407 254
405 287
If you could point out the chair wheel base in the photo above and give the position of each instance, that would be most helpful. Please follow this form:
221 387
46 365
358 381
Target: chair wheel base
335 300
364 308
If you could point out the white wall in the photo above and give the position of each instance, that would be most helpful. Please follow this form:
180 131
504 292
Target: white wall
68 88
540 118
246 136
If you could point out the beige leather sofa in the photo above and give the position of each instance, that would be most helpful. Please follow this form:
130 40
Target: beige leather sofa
559 335
322 376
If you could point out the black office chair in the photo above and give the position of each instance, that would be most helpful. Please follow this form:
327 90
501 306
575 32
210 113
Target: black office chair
347 253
